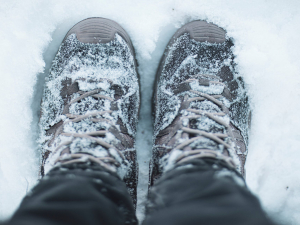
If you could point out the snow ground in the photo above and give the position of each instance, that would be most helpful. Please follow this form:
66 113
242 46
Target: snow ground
267 49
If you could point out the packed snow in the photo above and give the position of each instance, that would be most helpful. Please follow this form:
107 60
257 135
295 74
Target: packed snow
267 49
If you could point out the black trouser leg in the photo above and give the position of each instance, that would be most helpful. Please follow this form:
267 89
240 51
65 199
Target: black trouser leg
77 194
203 193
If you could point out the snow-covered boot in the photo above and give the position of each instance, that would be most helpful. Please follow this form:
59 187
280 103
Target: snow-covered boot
200 105
90 106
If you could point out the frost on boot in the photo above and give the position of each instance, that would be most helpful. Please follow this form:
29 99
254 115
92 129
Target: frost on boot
200 105
91 100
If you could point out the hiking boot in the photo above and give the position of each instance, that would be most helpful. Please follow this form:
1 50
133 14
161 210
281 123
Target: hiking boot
200 105
90 106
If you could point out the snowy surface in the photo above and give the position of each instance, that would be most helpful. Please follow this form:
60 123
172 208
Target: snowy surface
267 50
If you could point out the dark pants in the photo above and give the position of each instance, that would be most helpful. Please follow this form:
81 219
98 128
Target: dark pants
204 192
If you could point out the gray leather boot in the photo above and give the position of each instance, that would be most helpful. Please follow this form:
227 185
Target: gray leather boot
200 105
89 110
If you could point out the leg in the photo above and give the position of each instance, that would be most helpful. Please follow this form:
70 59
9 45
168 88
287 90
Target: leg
200 133
88 122
77 194
204 192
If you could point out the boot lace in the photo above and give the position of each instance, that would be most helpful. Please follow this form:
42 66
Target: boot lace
109 162
190 154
